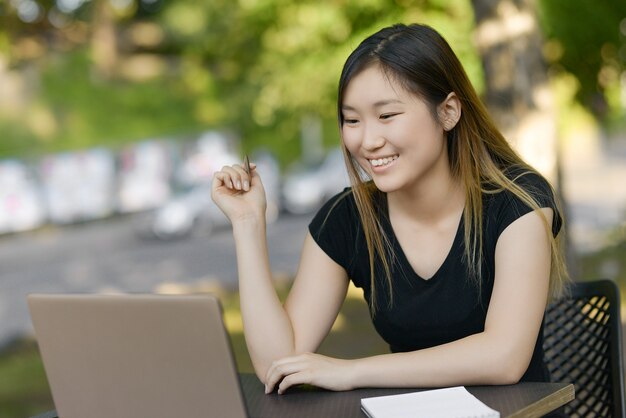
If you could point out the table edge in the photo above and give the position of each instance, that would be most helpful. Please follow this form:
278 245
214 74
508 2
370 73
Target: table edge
548 404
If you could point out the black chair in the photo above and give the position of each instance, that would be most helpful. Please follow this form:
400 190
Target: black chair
583 345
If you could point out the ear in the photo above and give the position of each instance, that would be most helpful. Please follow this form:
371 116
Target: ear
449 111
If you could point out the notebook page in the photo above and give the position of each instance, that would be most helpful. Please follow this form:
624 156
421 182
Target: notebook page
455 402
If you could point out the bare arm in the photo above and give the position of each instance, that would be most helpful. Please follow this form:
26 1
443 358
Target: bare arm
498 355
272 331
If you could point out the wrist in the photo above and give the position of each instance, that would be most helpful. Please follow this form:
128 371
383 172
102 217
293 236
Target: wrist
248 223
353 380
369 371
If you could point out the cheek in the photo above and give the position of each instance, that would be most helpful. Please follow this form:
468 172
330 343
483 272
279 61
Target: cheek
350 140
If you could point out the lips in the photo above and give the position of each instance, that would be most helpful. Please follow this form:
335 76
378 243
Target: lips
381 162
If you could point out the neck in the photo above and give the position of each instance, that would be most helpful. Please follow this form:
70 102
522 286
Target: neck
434 199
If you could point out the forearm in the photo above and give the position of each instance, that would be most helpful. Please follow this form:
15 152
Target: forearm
267 328
474 360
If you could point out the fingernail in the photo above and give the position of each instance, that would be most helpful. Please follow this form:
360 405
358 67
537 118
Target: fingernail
266 391
238 185
246 185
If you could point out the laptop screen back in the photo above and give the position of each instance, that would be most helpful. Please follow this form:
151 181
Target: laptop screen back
122 356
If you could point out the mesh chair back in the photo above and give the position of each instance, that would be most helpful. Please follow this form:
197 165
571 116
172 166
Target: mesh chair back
583 345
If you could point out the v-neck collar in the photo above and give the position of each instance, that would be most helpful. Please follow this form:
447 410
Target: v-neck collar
399 251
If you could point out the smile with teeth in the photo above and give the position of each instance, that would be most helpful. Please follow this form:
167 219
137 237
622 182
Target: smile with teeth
381 162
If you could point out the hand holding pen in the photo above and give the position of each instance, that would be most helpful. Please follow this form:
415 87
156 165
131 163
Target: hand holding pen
236 177
238 191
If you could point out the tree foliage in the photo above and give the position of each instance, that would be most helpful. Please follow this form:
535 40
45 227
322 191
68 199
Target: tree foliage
587 39
257 67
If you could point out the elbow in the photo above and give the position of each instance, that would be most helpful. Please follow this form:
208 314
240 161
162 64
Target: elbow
508 369
507 376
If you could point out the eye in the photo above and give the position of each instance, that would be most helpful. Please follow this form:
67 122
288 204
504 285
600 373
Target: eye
386 116
349 121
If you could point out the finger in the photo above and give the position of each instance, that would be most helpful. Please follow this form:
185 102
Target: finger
235 174
239 177
271 378
223 179
243 182
249 178
279 370
293 379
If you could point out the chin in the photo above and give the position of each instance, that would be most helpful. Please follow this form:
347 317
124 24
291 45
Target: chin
386 185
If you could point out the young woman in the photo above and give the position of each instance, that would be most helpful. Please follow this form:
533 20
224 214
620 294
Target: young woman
451 236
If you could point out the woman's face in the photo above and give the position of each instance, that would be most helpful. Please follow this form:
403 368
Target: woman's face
391 132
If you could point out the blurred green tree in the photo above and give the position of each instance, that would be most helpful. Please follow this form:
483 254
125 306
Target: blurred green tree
588 39
120 70
269 67
266 69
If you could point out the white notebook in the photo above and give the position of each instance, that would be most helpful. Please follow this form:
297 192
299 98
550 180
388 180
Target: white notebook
455 402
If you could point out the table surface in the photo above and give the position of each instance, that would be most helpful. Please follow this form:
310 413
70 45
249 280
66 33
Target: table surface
515 401
520 400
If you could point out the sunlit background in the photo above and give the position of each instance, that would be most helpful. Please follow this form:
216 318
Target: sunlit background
115 113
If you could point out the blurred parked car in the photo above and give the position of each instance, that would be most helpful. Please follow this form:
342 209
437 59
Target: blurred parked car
191 211
78 185
306 189
144 176
21 206
209 153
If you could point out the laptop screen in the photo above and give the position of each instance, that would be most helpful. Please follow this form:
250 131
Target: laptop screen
137 356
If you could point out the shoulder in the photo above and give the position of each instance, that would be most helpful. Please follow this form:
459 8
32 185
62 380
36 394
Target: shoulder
334 212
508 204
336 226
535 185
526 180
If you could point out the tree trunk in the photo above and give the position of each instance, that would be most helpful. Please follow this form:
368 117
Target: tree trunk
104 40
518 94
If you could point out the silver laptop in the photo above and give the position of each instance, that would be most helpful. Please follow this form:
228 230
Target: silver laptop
135 356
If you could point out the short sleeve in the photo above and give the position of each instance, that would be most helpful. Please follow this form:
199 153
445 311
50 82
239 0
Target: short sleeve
334 228
511 208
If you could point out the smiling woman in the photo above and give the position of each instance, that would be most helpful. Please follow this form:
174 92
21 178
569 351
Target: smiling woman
396 140
450 235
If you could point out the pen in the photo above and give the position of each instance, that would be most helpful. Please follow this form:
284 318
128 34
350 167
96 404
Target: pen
246 164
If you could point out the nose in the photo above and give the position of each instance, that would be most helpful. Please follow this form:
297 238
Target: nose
373 139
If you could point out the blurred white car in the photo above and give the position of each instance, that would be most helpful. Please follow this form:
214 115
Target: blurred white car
305 190
79 185
193 212
21 206
144 176
190 212
209 153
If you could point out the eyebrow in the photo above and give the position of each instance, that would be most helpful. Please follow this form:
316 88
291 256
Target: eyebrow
379 103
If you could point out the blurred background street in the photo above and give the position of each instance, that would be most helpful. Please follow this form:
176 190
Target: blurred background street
114 114
106 257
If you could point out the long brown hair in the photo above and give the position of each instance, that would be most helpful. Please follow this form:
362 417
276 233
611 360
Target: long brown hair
422 62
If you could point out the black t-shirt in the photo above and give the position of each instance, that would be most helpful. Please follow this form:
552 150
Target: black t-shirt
448 306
